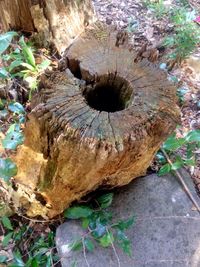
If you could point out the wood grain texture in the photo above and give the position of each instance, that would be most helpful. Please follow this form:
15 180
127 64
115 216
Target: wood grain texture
85 143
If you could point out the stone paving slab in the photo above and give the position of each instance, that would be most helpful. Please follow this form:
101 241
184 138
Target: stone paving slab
166 232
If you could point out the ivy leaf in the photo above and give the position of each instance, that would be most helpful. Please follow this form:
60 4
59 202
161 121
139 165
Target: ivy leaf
125 224
89 244
76 245
5 40
3 259
160 157
6 223
100 229
105 200
85 223
7 239
193 136
164 169
172 143
7 169
12 140
123 242
177 165
106 240
78 212
190 162
16 108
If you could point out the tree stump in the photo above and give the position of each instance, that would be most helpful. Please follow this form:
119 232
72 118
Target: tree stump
99 122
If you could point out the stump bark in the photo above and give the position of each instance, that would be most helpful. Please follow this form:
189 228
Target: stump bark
96 122
50 21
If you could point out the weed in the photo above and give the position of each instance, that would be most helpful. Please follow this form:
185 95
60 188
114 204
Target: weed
186 35
189 143
19 61
99 226
157 7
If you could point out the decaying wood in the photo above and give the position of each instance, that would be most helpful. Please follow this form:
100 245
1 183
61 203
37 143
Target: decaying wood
54 21
97 123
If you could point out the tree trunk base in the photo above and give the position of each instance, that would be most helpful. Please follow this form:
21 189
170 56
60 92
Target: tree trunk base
97 123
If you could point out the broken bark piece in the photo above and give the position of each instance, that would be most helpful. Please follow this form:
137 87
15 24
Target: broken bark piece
100 126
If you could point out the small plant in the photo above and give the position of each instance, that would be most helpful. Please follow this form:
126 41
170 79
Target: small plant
186 35
157 7
13 137
25 252
18 60
99 226
189 143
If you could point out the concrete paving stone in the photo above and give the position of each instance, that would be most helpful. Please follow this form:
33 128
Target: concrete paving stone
166 232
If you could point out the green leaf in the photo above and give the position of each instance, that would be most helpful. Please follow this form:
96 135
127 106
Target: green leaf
28 66
160 157
76 245
28 54
123 242
125 224
7 239
164 169
18 262
6 223
15 64
89 244
190 162
172 143
177 165
85 223
2 104
7 169
14 127
3 73
78 212
12 140
193 136
5 40
105 200
34 263
16 108
44 64
99 229
106 240
3 113
3 259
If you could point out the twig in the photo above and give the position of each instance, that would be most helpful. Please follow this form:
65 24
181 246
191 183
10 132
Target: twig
114 249
39 221
182 181
84 253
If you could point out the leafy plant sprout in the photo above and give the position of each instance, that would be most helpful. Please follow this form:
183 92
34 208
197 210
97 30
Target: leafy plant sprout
100 228
186 34
19 61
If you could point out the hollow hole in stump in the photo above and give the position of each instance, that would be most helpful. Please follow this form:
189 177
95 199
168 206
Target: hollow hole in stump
109 93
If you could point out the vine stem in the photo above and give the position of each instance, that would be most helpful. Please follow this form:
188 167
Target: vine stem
114 249
84 252
178 175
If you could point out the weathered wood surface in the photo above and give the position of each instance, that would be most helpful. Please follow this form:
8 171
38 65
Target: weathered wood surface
54 21
100 126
